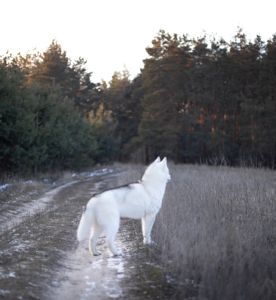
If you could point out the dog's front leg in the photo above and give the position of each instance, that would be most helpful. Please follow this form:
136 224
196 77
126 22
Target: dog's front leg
147 223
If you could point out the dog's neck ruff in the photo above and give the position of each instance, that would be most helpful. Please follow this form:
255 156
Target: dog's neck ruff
153 191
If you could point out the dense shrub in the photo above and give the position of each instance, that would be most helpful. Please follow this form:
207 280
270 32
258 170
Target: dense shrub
44 100
39 128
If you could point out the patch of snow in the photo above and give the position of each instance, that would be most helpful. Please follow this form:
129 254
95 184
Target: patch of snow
7 275
99 172
4 186
4 292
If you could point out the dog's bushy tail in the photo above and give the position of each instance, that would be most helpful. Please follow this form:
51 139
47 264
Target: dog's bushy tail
85 225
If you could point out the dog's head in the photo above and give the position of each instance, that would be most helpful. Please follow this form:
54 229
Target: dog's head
164 168
159 169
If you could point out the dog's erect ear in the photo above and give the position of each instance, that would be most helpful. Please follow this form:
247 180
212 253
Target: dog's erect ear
164 160
157 160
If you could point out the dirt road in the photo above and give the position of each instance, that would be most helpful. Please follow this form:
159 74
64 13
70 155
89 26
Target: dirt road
41 259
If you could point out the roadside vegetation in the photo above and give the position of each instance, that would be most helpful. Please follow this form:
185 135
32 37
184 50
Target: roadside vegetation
216 231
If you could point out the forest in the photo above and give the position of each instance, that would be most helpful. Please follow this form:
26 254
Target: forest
196 100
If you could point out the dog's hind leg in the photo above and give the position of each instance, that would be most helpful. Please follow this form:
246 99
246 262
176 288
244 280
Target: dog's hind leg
111 232
95 233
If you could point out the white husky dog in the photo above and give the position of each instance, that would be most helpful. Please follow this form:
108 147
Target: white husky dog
141 200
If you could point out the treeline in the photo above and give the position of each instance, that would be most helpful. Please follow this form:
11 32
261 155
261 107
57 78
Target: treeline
42 98
195 100
199 100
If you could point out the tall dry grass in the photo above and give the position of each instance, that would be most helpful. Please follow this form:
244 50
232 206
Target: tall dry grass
218 227
217 230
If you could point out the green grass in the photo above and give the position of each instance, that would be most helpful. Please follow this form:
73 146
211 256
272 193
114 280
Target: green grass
217 230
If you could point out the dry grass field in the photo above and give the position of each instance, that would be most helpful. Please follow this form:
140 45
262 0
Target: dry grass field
217 230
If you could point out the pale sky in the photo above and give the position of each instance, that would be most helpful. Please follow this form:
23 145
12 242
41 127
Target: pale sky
113 34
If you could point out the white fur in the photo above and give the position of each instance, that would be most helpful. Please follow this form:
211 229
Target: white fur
137 201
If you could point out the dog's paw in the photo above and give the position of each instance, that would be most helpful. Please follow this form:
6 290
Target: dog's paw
95 253
149 242
117 253
153 243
